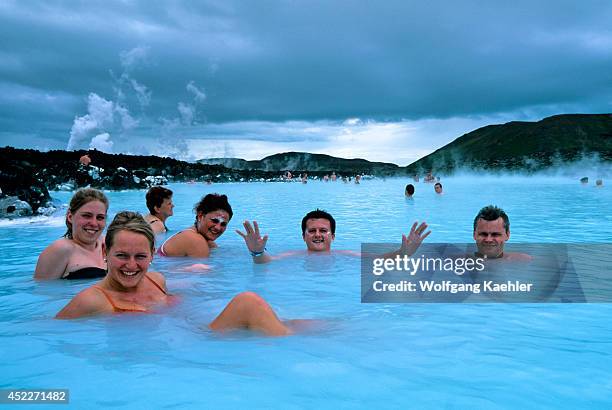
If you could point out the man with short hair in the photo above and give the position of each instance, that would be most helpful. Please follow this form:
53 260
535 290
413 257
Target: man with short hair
491 231
318 232
438 188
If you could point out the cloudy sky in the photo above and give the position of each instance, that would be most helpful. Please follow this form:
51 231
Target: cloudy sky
382 80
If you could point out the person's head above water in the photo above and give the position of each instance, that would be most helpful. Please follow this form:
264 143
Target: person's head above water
318 230
438 188
94 204
131 222
491 231
409 190
213 213
160 198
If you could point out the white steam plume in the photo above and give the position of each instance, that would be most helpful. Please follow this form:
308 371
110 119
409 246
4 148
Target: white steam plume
99 115
102 142
187 113
142 92
132 58
198 95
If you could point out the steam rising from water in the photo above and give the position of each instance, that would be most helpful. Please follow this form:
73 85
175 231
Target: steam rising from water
589 165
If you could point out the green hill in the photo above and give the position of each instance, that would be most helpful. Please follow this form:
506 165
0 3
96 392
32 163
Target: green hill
524 146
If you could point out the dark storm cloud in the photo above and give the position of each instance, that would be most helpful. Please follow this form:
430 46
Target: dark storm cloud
281 61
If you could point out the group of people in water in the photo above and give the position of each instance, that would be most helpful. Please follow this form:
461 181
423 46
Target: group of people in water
122 258
409 191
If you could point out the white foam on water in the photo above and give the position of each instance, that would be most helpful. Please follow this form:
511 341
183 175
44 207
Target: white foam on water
40 220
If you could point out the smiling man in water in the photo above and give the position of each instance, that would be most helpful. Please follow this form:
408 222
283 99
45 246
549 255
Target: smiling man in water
491 231
318 232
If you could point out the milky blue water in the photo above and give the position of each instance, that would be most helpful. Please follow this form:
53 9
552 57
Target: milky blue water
361 355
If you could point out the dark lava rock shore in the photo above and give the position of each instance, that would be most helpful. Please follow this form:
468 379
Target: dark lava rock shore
27 176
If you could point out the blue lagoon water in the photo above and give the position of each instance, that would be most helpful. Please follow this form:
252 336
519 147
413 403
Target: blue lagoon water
361 355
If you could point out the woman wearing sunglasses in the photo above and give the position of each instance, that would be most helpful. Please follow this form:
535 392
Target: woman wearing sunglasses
213 213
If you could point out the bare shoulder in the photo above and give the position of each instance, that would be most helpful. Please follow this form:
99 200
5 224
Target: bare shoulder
157 226
59 247
348 252
187 243
196 245
149 218
181 237
88 302
157 278
288 254
53 261
520 257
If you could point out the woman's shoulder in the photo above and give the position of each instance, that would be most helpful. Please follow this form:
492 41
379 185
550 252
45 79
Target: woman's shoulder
159 280
87 302
61 245
186 236
156 276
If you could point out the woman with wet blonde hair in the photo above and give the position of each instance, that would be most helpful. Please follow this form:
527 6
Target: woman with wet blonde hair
79 254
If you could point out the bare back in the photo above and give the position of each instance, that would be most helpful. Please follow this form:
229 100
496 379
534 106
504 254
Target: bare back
186 243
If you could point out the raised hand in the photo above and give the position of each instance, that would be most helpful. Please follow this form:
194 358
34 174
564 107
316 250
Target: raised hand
252 238
412 241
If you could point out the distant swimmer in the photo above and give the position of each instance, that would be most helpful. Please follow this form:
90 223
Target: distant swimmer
409 192
85 160
318 233
357 179
159 203
599 183
79 254
213 213
584 180
333 176
130 287
438 188
305 178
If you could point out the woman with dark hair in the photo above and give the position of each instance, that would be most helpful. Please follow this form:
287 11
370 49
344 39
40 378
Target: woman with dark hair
79 254
159 203
213 213
130 287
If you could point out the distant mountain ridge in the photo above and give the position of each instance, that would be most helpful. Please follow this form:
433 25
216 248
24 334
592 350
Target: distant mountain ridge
524 146
514 146
303 161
